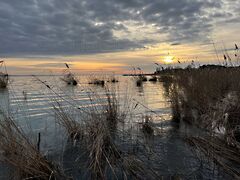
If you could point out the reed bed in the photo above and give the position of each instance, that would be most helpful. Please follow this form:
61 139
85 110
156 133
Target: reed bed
23 156
100 139
216 149
208 98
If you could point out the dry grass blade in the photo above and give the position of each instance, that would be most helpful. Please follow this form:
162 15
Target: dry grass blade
73 127
100 137
23 156
219 151
208 97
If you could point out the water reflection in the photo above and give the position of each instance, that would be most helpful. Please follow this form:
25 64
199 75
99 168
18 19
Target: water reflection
140 90
174 157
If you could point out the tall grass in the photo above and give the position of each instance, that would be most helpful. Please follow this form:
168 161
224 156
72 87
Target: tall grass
216 149
23 156
100 138
209 97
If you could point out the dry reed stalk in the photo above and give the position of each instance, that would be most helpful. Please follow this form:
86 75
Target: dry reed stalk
205 96
99 136
96 131
74 128
23 156
147 127
101 129
219 151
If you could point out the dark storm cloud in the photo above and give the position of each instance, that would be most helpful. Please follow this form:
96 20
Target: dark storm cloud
75 27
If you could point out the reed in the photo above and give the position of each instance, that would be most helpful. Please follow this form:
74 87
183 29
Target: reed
101 137
96 131
208 97
3 80
23 156
112 79
217 150
154 78
73 127
97 80
147 126
140 79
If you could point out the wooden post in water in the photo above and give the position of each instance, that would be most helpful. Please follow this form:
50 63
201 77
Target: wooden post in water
39 141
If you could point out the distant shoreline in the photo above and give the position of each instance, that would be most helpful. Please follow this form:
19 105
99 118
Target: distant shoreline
26 75
147 74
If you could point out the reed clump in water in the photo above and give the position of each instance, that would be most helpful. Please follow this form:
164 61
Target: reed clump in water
139 76
112 79
107 111
97 133
101 131
97 80
140 79
153 78
219 152
25 159
3 83
209 98
100 139
74 128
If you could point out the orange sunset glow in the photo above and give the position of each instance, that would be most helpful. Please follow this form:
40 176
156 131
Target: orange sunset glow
116 43
118 62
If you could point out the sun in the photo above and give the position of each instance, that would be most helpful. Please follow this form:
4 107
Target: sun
168 59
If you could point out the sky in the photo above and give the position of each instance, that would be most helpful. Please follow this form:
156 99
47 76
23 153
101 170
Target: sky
39 36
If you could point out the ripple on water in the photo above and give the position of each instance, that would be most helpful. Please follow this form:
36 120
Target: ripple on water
34 108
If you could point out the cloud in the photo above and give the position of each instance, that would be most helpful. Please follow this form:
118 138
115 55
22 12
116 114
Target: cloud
175 44
86 27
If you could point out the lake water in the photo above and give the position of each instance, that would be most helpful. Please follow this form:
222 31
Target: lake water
30 103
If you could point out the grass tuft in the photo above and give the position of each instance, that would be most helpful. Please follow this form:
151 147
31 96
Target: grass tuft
25 159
